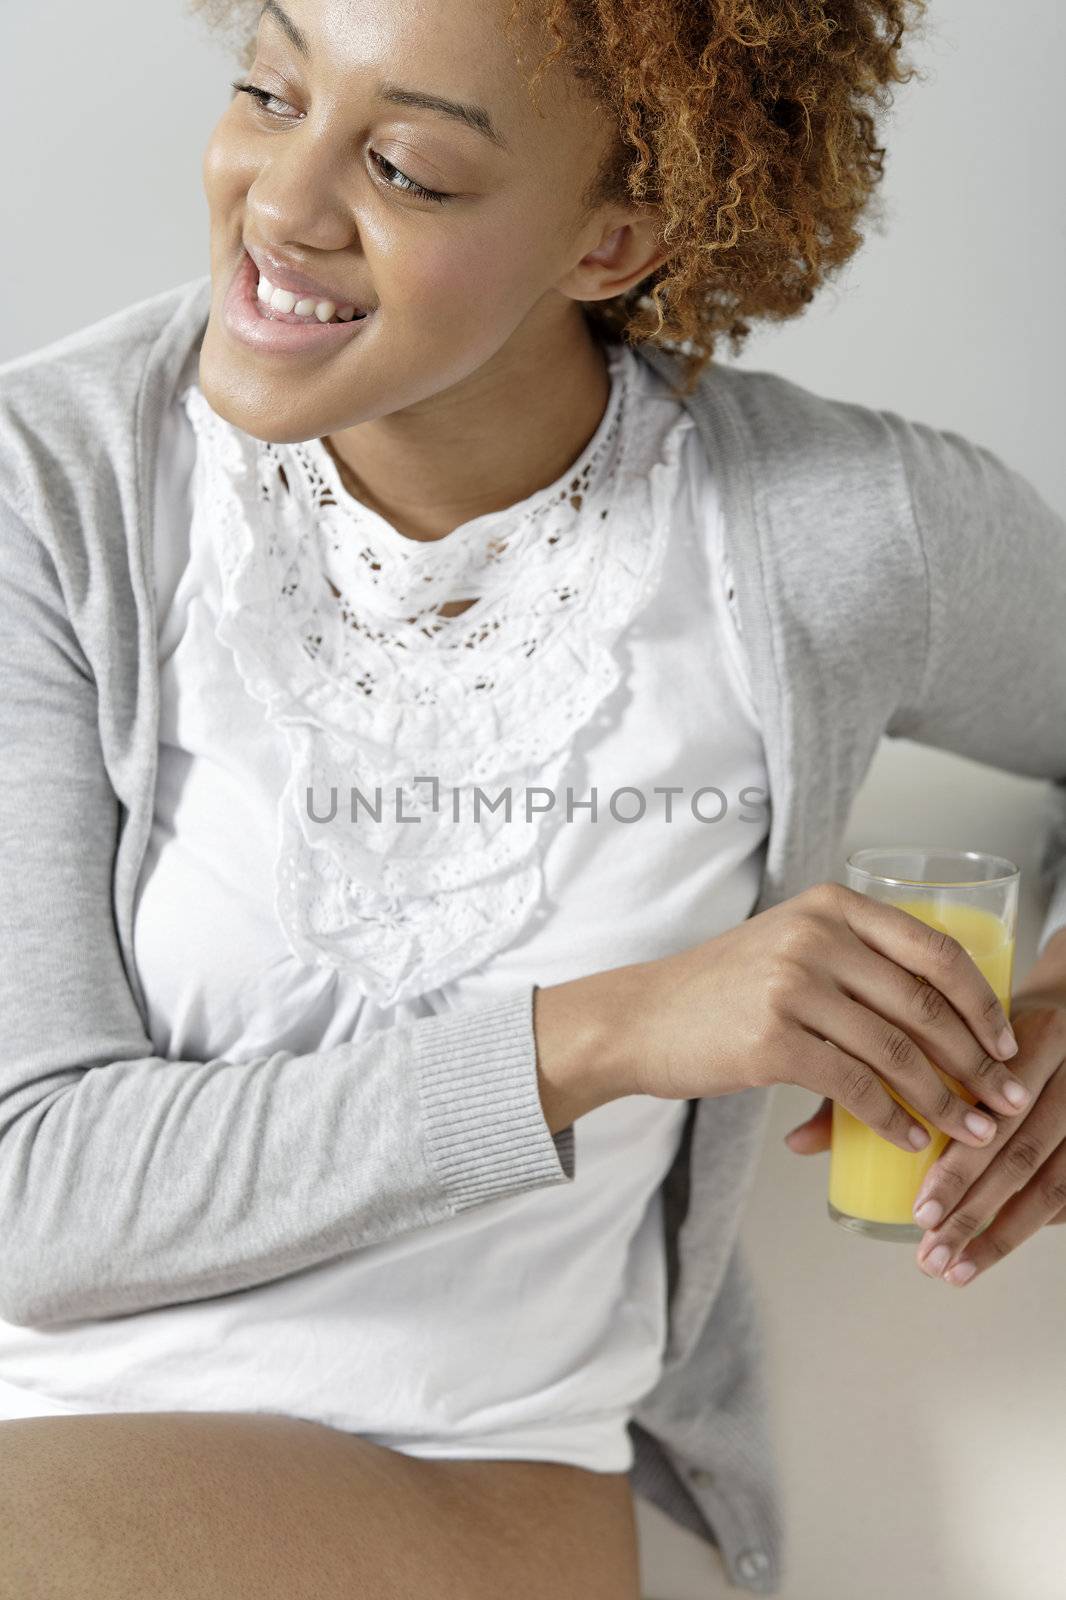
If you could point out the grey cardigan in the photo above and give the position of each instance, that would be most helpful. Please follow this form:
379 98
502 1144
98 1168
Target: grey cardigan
891 579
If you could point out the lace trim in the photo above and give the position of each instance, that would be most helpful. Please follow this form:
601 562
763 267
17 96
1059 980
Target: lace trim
330 615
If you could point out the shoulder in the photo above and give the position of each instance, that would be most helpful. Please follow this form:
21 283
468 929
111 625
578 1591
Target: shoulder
817 516
824 481
795 434
70 406
926 490
791 449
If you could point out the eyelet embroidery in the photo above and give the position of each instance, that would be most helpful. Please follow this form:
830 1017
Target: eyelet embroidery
333 621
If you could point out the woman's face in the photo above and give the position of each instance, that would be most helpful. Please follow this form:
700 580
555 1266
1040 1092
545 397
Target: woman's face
319 182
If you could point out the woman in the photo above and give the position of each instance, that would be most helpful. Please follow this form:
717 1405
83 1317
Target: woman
379 1108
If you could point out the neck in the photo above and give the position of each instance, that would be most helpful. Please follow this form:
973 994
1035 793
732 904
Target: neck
511 428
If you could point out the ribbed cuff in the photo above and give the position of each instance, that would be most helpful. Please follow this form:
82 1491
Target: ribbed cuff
485 1131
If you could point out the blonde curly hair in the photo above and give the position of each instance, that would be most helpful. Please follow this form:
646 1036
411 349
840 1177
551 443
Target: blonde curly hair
750 124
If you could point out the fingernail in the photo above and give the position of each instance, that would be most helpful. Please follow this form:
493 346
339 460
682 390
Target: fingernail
961 1272
1007 1044
929 1214
981 1126
918 1137
937 1259
1016 1093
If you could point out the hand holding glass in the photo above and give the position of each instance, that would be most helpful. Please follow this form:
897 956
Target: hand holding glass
830 990
873 1184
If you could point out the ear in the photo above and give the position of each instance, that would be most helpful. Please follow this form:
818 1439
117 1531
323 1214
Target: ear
627 253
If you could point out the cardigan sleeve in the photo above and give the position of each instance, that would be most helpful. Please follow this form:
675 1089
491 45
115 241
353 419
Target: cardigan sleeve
994 681
129 1181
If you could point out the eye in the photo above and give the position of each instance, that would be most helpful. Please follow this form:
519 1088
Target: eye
405 185
263 96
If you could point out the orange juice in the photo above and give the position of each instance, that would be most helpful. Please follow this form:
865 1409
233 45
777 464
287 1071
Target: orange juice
869 1177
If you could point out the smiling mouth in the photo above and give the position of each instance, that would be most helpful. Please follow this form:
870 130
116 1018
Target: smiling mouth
290 305
250 312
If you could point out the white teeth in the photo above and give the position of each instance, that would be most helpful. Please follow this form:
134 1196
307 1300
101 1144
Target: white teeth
324 310
286 300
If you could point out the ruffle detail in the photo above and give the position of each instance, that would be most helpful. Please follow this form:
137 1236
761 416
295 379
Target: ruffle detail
330 616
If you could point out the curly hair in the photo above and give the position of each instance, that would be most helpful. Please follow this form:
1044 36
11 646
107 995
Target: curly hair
751 125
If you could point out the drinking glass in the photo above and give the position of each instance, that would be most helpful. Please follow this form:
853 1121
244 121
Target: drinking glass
873 1184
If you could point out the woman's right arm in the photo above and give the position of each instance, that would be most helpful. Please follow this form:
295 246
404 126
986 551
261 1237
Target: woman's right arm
128 1181
830 990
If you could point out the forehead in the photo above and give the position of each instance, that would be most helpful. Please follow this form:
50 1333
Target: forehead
459 51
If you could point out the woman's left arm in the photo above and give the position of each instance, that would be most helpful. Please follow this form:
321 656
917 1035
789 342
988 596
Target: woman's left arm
992 687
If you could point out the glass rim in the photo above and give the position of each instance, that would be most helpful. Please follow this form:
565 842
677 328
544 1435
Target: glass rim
1011 876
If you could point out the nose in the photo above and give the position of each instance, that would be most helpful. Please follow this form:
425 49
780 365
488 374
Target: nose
295 198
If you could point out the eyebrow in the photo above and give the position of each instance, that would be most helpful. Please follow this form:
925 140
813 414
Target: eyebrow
473 116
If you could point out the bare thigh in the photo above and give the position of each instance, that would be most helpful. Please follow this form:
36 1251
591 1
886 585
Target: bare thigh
231 1506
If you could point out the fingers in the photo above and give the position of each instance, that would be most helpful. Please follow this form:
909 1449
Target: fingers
823 1066
924 1014
935 956
965 1189
809 1137
888 1053
1024 1214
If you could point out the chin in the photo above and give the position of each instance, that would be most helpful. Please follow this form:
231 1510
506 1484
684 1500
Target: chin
260 406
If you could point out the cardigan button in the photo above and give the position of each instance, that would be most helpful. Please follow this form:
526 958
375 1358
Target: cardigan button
752 1563
701 1477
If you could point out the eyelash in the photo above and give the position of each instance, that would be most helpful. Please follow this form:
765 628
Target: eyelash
409 186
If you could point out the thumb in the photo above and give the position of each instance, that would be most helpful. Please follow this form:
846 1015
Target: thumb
807 1138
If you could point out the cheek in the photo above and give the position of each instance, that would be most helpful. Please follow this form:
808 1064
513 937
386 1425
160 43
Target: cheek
466 277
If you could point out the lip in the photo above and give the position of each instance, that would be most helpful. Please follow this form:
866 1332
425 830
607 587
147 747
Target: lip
278 272
278 332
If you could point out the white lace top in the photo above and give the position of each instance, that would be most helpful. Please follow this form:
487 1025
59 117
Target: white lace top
372 688
301 653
